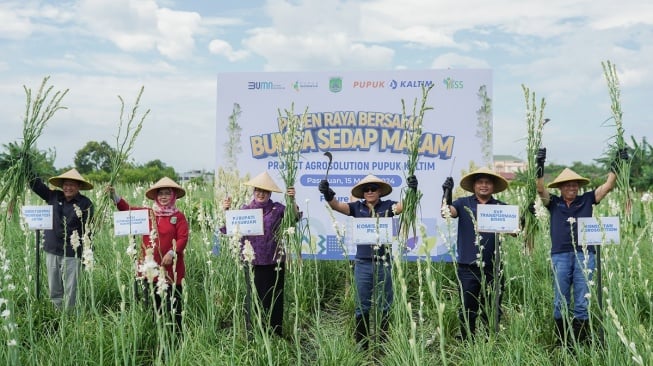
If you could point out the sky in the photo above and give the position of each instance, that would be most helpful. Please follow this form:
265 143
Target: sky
104 50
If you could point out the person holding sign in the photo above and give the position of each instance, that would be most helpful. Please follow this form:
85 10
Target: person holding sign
475 252
573 264
263 256
63 245
373 266
161 263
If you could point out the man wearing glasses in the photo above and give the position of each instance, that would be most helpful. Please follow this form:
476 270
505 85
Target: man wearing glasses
373 267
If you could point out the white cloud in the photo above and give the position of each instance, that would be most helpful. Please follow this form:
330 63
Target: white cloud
309 51
141 25
14 24
453 60
220 47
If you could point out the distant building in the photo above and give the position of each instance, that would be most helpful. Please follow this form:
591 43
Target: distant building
192 174
507 166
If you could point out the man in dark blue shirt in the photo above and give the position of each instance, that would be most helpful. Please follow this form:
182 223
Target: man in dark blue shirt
474 250
373 265
573 264
63 245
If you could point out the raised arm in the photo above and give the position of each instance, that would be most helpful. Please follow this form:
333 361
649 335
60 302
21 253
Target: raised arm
611 181
329 197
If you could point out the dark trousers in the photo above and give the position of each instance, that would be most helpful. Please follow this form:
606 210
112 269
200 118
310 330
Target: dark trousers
476 289
169 305
269 283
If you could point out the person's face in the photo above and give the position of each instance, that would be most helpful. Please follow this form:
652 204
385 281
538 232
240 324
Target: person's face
371 192
483 187
261 195
164 196
70 188
569 190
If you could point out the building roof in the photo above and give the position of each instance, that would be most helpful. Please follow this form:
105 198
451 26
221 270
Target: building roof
506 158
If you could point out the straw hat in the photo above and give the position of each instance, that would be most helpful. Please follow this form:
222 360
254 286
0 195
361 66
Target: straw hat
384 188
467 182
263 181
568 175
164 182
72 174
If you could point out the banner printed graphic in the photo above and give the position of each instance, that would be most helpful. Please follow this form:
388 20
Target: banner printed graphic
357 116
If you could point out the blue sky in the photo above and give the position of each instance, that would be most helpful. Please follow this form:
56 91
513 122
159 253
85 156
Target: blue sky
102 49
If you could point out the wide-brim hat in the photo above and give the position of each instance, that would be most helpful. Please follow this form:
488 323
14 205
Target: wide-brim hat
165 182
263 181
568 175
72 174
467 181
384 188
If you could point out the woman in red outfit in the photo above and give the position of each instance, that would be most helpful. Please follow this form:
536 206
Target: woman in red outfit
161 267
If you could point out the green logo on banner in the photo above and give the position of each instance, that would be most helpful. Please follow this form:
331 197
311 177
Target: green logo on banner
335 84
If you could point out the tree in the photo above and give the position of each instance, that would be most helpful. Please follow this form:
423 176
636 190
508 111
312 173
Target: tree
94 156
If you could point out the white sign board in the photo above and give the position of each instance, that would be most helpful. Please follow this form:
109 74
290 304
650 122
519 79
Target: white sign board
134 222
38 217
372 231
592 231
357 117
497 218
244 222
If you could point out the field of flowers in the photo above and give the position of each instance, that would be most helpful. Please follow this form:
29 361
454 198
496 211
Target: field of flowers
110 327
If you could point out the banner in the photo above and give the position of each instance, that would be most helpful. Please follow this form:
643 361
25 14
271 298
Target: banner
357 116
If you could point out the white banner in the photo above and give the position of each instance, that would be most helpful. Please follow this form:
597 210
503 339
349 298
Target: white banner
357 116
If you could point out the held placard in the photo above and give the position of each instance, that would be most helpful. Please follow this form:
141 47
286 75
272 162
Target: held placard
38 217
497 218
598 231
245 222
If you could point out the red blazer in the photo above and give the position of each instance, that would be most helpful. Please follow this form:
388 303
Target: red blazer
168 228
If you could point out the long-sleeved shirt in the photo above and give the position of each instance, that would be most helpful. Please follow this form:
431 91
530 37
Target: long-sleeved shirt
65 219
167 228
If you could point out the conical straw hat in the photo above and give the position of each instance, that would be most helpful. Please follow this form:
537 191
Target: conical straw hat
384 188
467 182
164 182
568 175
263 181
72 174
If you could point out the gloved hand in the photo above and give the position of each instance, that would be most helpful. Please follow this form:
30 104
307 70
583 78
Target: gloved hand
531 208
540 158
326 191
447 190
411 182
621 154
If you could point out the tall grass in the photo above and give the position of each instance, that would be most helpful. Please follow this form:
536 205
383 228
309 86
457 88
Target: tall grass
118 330
39 109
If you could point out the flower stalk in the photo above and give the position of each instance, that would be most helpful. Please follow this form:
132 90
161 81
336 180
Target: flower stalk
534 122
413 124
